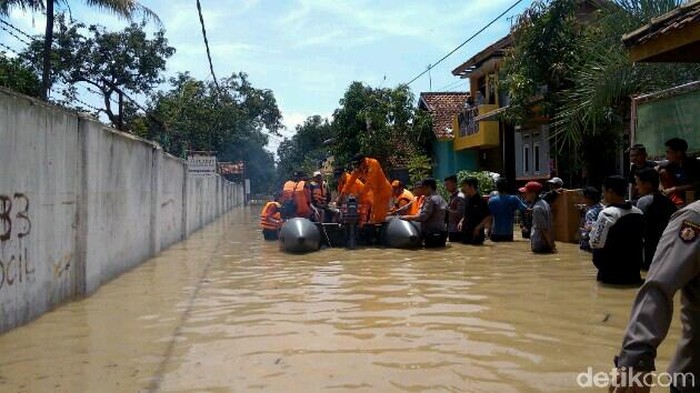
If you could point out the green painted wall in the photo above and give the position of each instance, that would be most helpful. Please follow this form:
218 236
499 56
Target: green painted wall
446 161
666 118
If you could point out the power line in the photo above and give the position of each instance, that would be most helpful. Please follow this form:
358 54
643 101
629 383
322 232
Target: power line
17 29
11 33
465 42
206 44
8 48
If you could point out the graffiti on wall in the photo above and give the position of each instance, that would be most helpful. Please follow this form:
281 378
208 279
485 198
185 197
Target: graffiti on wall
15 227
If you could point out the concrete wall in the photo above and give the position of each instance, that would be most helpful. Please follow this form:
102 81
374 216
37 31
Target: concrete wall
81 203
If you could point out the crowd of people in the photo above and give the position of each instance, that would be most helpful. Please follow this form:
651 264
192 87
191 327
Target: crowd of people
643 222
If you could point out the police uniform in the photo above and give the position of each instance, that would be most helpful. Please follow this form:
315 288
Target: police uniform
676 266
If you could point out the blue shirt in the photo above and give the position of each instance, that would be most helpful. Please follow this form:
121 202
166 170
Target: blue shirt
503 207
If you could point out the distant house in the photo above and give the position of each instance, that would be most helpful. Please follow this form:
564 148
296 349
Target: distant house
675 38
444 107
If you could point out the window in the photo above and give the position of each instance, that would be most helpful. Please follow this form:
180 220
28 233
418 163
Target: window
536 159
526 158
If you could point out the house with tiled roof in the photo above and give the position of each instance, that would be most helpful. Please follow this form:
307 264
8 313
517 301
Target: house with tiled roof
443 107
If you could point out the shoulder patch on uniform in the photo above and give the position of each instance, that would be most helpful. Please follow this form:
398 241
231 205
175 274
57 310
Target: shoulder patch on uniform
689 231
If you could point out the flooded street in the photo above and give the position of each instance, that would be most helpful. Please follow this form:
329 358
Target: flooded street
226 312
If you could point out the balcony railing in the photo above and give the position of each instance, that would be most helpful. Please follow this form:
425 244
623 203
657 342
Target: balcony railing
474 133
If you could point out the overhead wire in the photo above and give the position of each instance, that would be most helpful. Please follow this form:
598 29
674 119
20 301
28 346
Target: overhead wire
465 42
206 44
12 34
17 29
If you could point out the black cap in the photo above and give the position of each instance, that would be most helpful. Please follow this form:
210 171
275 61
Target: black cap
451 178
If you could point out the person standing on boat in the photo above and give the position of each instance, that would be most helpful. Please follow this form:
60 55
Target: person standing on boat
375 181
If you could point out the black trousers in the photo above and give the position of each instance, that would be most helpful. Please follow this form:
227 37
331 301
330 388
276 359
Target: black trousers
501 238
435 239
271 234
455 237
469 238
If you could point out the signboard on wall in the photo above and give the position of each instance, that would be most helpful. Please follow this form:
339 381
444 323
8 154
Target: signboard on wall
201 165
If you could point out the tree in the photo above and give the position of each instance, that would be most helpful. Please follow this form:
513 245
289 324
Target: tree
14 75
306 150
380 122
602 84
574 69
234 122
125 8
112 62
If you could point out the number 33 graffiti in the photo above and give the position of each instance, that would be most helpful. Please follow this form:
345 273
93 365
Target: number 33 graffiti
21 217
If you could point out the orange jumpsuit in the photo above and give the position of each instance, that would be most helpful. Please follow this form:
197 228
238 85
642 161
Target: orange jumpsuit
376 181
358 189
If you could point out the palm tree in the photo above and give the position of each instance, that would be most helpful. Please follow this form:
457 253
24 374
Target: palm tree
124 8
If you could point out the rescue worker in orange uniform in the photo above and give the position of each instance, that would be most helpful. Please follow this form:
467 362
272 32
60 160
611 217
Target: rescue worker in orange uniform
358 189
271 220
320 196
402 197
375 180
296 198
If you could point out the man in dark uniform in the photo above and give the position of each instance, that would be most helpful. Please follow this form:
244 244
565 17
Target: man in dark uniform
676 266
477 216
432 216
455 209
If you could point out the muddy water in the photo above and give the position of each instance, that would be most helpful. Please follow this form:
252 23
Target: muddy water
226 312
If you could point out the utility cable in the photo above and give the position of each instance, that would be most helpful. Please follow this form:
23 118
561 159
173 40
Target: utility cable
206 44
17 29
465 42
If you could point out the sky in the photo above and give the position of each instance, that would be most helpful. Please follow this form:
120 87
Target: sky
309 51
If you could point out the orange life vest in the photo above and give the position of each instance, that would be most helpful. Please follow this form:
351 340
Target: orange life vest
270 217
403 199
302 197
288 190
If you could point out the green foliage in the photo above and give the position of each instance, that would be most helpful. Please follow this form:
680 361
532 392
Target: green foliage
126 61
486 184
577 73
419 167
14 75
545 49
305 151
598 98
233 122
380 122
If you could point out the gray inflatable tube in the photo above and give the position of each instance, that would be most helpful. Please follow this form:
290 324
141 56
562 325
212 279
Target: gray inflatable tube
402 234
300 235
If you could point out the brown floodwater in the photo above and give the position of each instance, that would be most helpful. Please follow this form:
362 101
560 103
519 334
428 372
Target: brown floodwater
226 312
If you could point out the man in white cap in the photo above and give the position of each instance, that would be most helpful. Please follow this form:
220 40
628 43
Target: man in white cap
556 187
